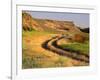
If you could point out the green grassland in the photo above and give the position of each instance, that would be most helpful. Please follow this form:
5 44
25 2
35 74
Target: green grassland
79 47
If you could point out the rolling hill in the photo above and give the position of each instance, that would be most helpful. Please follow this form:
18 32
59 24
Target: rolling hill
31 23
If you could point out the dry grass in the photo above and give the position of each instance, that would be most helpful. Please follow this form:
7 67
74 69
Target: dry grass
34 56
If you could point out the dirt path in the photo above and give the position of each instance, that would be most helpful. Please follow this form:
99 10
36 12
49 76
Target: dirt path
53 46
33 48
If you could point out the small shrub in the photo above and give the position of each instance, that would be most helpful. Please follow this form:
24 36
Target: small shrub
79 38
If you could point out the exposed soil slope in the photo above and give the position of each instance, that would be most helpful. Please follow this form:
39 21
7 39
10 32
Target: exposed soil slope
31 23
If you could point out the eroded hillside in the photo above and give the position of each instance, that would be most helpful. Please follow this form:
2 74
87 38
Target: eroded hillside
30 23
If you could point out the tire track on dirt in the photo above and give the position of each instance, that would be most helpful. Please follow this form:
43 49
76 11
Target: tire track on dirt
52 45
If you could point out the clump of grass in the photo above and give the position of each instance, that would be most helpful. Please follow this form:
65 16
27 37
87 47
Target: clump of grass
30 63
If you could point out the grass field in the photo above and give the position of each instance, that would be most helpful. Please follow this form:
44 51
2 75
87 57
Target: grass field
34 56
79 47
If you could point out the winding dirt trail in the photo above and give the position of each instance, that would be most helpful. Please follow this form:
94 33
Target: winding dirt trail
38 49
52 45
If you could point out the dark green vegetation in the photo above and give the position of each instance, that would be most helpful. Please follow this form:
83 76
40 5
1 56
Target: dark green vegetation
85 30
